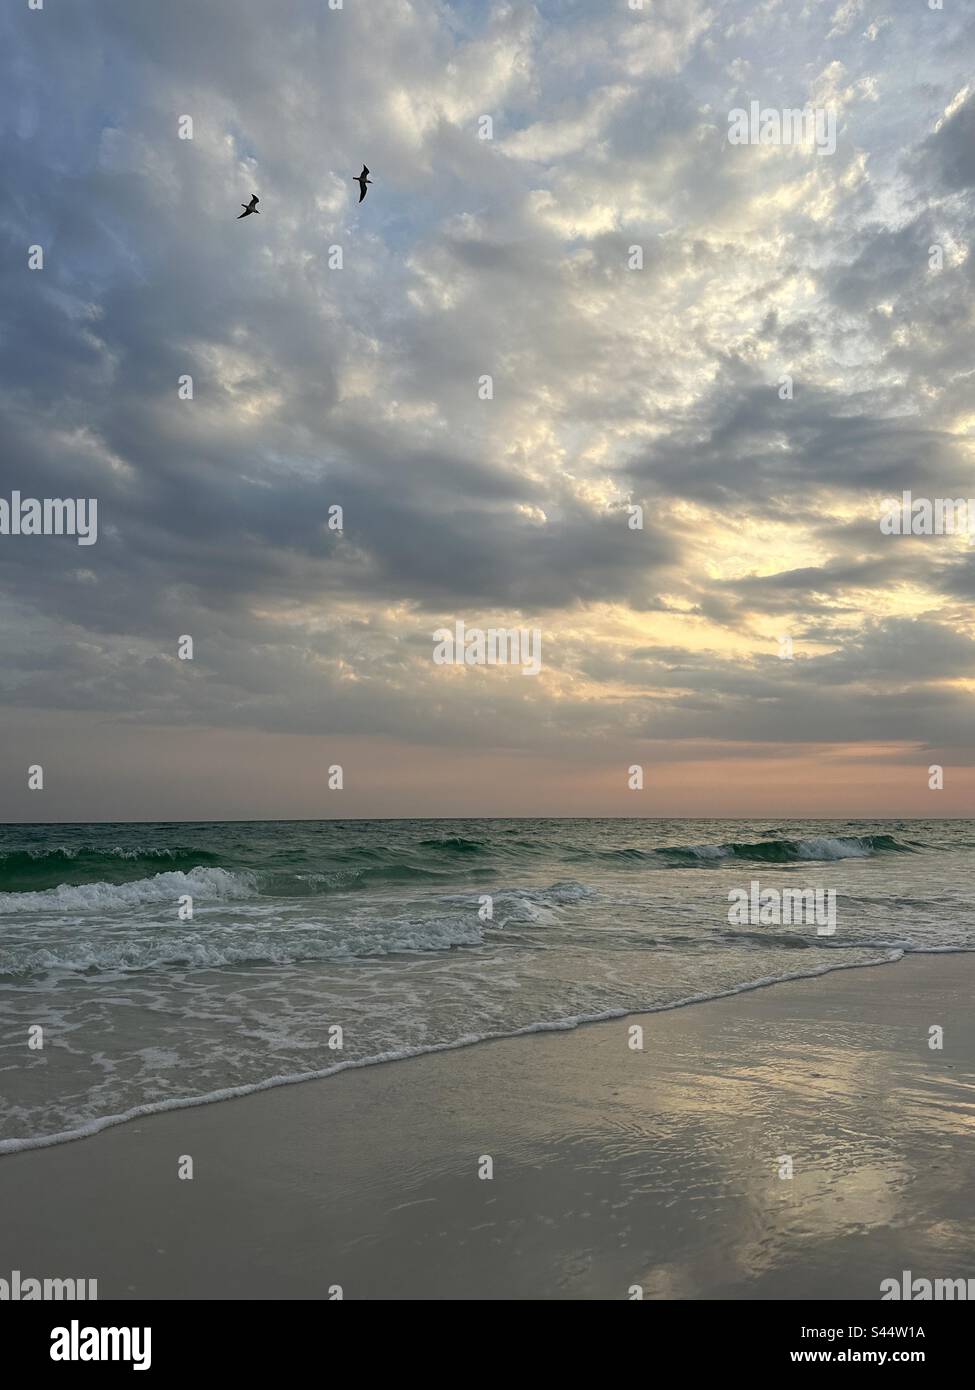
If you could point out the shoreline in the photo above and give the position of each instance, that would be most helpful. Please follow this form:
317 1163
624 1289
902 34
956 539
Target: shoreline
612 1168
565 1025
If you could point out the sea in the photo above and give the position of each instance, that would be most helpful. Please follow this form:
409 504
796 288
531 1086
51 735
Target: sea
146 967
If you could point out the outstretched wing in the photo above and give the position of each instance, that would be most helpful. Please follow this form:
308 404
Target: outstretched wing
362 189
365 171
245 213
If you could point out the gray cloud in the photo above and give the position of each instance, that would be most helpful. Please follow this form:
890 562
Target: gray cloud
508 257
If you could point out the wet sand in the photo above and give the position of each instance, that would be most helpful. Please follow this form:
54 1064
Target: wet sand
612 1168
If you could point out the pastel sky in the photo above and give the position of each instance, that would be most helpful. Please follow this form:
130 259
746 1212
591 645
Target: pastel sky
613 387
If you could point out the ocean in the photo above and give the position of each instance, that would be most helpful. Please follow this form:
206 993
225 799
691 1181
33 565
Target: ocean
318 945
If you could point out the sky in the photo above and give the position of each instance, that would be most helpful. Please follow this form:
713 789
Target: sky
614 385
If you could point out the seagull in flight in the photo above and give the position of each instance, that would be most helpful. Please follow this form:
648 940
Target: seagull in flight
362 180
249 207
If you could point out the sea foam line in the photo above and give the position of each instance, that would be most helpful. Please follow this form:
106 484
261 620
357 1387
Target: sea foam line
562 1025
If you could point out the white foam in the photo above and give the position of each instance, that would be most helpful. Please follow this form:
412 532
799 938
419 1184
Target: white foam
831 847
205 948
95 1126
200 883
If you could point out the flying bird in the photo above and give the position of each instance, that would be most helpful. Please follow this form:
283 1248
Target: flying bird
249 207
362 180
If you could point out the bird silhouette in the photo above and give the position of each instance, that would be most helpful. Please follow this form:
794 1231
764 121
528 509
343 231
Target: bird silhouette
249 207
362 180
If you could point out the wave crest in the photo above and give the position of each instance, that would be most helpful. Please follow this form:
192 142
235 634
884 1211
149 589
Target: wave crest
818 847
201 882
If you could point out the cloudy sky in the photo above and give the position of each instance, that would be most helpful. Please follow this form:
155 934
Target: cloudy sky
510 257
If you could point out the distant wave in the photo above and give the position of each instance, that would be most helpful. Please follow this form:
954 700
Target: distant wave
820 847
457 843
86 877
48 866
95 852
